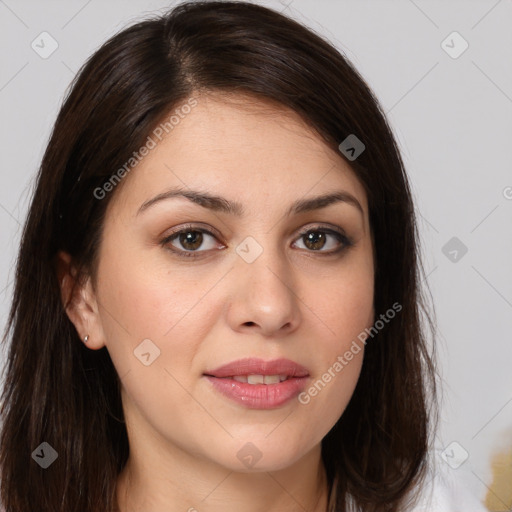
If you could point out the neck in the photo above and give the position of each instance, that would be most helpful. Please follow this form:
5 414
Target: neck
180 482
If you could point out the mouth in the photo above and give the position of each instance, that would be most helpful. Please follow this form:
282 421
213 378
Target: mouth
259 384
257 368
259 379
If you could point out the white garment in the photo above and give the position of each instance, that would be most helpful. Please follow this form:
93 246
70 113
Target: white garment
446 490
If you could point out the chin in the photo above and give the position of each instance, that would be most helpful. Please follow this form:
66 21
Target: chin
254 454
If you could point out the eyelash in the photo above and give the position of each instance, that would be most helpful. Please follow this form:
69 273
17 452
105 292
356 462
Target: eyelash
345 240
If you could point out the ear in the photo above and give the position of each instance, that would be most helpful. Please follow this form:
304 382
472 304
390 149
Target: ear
80 303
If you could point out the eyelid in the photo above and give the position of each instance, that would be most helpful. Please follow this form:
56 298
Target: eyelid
323 227
203 228
345 241
184 229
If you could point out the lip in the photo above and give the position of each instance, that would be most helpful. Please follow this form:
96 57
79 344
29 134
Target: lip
255 366
259 396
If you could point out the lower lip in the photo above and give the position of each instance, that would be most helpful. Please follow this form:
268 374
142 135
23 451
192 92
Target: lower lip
259 396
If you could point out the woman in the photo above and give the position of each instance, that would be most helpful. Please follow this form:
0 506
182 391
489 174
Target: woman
217 294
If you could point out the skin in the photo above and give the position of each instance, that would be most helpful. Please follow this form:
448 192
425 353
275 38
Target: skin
293 301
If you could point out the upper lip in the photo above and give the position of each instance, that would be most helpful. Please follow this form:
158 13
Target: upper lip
255 366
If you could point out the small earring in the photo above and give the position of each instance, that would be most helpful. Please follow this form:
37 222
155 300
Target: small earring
86 339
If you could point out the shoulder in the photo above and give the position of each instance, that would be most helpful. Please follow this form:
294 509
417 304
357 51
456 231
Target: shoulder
446 490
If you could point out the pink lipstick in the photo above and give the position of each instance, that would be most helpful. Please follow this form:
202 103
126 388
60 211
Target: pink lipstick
259 384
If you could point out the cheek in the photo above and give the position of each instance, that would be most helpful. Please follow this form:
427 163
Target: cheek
346 310
325 399
151 311
141 291
339 355
142 299
346 307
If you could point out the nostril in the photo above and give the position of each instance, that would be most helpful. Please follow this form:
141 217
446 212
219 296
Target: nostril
249 323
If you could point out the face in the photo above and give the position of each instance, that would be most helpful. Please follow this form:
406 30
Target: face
247 267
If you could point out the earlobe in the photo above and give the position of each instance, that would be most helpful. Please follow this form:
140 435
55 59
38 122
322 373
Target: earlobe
80 303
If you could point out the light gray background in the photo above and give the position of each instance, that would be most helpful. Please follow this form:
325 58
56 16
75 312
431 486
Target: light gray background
453 120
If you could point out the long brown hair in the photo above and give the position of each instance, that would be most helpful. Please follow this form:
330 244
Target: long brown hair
59 392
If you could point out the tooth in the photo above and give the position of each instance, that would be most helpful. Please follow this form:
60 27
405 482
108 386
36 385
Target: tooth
260 379
255 379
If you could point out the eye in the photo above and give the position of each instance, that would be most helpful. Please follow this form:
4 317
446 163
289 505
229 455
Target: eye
189 240
324 240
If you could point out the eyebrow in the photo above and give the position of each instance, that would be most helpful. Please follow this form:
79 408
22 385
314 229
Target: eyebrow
220 204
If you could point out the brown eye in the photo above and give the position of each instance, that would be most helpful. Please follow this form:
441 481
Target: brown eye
190 240
315 240
326 241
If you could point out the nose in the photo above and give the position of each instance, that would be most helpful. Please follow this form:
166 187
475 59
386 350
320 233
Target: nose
263 299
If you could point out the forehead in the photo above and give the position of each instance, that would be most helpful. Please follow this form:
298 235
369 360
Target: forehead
242 148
